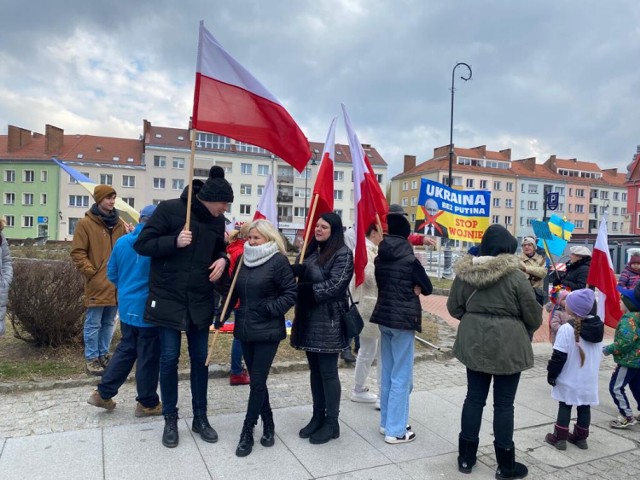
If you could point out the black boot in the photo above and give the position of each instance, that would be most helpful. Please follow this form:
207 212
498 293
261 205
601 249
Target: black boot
202 426
170 435
316 422
467 451
268 430
245 445
330 429
507 466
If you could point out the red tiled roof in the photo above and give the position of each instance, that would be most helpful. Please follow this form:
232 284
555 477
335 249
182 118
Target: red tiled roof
573 164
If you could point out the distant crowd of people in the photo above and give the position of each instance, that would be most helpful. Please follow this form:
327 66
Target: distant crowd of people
166 277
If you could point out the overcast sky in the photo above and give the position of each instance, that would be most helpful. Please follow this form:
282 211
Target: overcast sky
549 77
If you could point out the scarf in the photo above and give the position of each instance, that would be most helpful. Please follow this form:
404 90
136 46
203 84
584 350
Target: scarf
110 220
258 255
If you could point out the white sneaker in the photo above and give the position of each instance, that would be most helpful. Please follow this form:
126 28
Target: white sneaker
407 437
363 397
382 430
623 422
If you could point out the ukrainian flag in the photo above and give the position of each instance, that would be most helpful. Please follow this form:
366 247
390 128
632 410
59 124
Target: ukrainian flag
561 230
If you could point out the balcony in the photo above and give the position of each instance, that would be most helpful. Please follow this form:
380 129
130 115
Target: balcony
284 198
285 178
285 218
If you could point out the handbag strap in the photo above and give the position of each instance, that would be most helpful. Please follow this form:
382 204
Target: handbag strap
351 298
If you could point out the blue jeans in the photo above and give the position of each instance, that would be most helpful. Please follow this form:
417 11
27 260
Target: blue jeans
139 345
504 394
396 352
236 357
99 325
170 340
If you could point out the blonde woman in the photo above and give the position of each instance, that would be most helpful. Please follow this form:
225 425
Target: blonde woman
266 290
6 276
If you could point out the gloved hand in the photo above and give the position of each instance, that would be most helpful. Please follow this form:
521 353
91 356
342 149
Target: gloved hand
298 269
605 352
551 380
217 324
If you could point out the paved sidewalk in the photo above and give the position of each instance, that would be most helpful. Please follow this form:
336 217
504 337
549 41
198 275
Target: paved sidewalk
55 434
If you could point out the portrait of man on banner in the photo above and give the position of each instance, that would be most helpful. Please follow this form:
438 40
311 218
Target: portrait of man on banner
429 225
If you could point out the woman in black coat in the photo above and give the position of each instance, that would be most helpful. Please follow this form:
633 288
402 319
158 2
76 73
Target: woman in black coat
266 290
578 266
323 280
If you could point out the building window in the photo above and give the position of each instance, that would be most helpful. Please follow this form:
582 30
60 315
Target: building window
614 226
28 177
496 185
10 176
72 225
623 196
128 181
9 198
379 177
508 203
405 186
412 218
604 195
483 184
27 220
11 220
301 192
247 147
156 201
305 174
299 212
27 198
78 200
210 140
177 184
580 192
570 208
129 201
509 186
159 161
508 220
158 183
245 209
43 199
177 163
245 189
533 188
496 203
405 201
263 170
531 205
615 210
414 201
469 182
523 187
579 224
337 194
338 176
245 168
106 179
260 190
414 184
338 212
44 175
616 196
495 219
579 208
559 190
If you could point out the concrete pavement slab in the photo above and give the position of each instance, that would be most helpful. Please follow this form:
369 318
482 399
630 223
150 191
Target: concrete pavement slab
443 467
69 455
384 472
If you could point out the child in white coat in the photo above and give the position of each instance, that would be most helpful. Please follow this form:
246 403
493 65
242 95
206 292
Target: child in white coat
573 369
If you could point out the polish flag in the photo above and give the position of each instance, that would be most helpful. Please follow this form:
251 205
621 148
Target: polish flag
267 209
602 276
229 101
323 187
364 199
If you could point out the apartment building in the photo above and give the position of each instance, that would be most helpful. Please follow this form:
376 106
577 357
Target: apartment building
633 190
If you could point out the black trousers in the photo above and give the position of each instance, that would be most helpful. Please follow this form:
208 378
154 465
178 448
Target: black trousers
258 357
504 394
564 415
325 382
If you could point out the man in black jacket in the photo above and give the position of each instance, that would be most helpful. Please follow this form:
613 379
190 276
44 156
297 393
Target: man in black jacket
184 265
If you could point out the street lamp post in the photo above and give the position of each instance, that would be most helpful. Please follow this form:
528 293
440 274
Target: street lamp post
447 248
314 156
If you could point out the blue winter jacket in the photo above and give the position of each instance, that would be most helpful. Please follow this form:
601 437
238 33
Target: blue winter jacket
129 272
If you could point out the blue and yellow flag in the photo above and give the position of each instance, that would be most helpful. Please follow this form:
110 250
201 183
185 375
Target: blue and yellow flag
561 230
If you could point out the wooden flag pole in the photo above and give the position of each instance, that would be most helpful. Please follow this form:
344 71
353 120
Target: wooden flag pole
190 185
379 222
223 313
314 204
550 257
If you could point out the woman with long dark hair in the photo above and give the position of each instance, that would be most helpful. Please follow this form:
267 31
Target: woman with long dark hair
323 279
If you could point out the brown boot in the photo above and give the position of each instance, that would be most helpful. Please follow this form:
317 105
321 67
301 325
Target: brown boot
558 438
579 436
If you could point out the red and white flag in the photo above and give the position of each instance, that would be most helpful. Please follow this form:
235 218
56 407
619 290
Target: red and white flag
323 186
267 208
364 194
602 276
229 101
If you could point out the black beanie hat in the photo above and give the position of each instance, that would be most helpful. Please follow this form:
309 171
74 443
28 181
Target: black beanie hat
216 188
398 225
497 240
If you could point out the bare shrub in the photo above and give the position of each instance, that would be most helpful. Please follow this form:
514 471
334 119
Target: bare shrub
46 302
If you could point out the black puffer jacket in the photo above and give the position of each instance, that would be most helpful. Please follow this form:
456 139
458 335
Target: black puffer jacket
179 285
397 272
266 292
576 275
318 326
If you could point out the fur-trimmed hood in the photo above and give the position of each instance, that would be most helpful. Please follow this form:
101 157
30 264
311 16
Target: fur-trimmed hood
482 272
